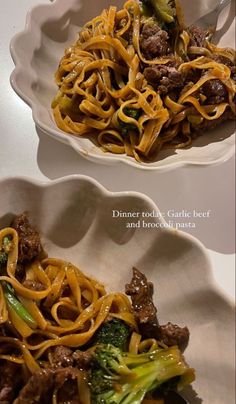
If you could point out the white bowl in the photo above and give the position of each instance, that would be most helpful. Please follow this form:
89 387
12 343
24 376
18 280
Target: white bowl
37 51
74 217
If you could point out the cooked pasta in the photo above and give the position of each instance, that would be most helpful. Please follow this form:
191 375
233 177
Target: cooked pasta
136 86
73 318
54 319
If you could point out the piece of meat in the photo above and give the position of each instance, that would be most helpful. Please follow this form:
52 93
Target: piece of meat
233 72
42 384
169 397
10 381
163 78
7 330
193 75
227 62
67 385
2 330
33 285
38 388
154 41
145 312
174 398
197 36
150 29
20 272
62 356
172 334
6 395
208 125
82 359
141 292
29 241
222 59
215 91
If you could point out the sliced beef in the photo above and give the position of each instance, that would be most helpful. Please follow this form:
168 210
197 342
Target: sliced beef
233 72
7 330
154 41
10 381
66 383
215 91
222 59
227 62
163 78
38 388
145 312
172 334
33 285
6 395
168 397
174 398
2 330
20 272
29 241
141 292
62 356
82 360
197 36
192 76
208 125
42 384
150 29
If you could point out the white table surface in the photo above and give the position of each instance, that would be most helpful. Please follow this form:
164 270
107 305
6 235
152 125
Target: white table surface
27 152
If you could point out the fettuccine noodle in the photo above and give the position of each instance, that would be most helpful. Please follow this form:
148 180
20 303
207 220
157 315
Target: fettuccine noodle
67 312
100 79
58 330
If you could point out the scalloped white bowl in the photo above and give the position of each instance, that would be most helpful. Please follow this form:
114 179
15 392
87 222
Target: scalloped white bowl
37 51
74 217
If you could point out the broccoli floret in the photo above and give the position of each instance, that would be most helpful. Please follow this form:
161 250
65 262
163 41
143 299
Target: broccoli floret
98 383
115 332
3 259
133 113
164 9
4 250
126 127
117 377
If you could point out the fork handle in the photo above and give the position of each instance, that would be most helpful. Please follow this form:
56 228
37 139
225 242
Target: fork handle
222 4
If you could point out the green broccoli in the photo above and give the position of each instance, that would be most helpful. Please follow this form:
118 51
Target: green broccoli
126 127
115 332
132 112
99 384
3 259
123 378
4 250
164 9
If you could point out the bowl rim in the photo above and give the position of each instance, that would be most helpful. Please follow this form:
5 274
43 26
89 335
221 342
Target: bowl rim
45 184
70 139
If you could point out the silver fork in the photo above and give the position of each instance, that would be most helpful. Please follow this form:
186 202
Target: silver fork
209 21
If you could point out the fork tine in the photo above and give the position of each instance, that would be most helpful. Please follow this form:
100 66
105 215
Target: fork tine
210 19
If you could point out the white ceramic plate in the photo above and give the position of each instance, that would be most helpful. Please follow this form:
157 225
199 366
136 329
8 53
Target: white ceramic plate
74 216
37 51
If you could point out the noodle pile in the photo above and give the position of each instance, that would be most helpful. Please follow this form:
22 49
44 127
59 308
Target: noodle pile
100 80
68 311
55 305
